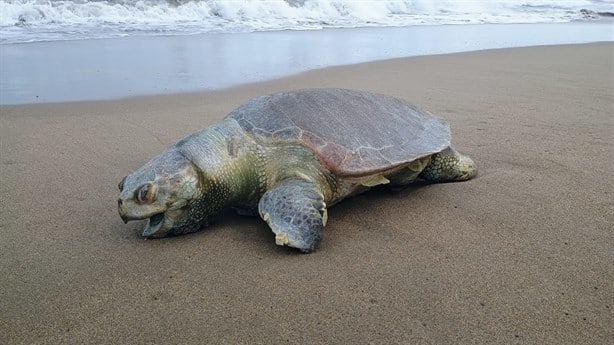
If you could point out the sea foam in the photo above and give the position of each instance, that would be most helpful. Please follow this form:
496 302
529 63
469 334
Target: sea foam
38 20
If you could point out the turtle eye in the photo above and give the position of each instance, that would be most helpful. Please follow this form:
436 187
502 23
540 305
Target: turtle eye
145 194
121 184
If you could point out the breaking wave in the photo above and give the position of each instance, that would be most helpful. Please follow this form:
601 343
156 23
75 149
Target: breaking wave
38 20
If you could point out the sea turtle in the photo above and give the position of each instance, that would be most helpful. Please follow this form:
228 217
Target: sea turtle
287 157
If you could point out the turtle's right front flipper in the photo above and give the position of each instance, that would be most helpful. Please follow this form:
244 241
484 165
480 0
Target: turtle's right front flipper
296 212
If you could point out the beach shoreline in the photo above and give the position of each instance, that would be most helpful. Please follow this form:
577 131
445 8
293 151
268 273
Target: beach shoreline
98 69
520 255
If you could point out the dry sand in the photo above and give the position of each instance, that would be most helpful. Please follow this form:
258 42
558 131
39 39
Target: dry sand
522 254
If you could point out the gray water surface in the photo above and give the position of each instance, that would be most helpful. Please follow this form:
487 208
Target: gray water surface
131 66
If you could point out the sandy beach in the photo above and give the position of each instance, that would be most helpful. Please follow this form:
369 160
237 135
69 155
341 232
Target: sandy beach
523 254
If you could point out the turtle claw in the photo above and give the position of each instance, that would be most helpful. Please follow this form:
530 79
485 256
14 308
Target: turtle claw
281 239
324 215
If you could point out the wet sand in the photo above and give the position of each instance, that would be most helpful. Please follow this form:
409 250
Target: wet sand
523 254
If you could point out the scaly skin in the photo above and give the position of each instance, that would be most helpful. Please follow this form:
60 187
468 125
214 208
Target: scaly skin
448 166
192 181
218 167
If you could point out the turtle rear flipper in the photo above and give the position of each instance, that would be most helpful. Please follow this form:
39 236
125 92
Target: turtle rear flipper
449 166
296 212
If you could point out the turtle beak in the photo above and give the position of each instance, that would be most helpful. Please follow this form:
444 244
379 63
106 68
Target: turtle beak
122 212
126 218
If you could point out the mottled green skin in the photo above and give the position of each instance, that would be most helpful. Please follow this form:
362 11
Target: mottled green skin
229 169
281 178
448 166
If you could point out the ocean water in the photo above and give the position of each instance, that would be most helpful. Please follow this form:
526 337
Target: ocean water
51 20
112 68
73 50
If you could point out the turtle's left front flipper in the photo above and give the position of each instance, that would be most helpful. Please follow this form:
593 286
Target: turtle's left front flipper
296 212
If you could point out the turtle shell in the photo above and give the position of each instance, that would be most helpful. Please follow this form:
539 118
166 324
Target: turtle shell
355 133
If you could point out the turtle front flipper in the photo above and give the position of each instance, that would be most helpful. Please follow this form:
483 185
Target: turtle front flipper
296 212
449 166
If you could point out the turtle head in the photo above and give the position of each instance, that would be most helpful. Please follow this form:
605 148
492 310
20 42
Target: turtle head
165 191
